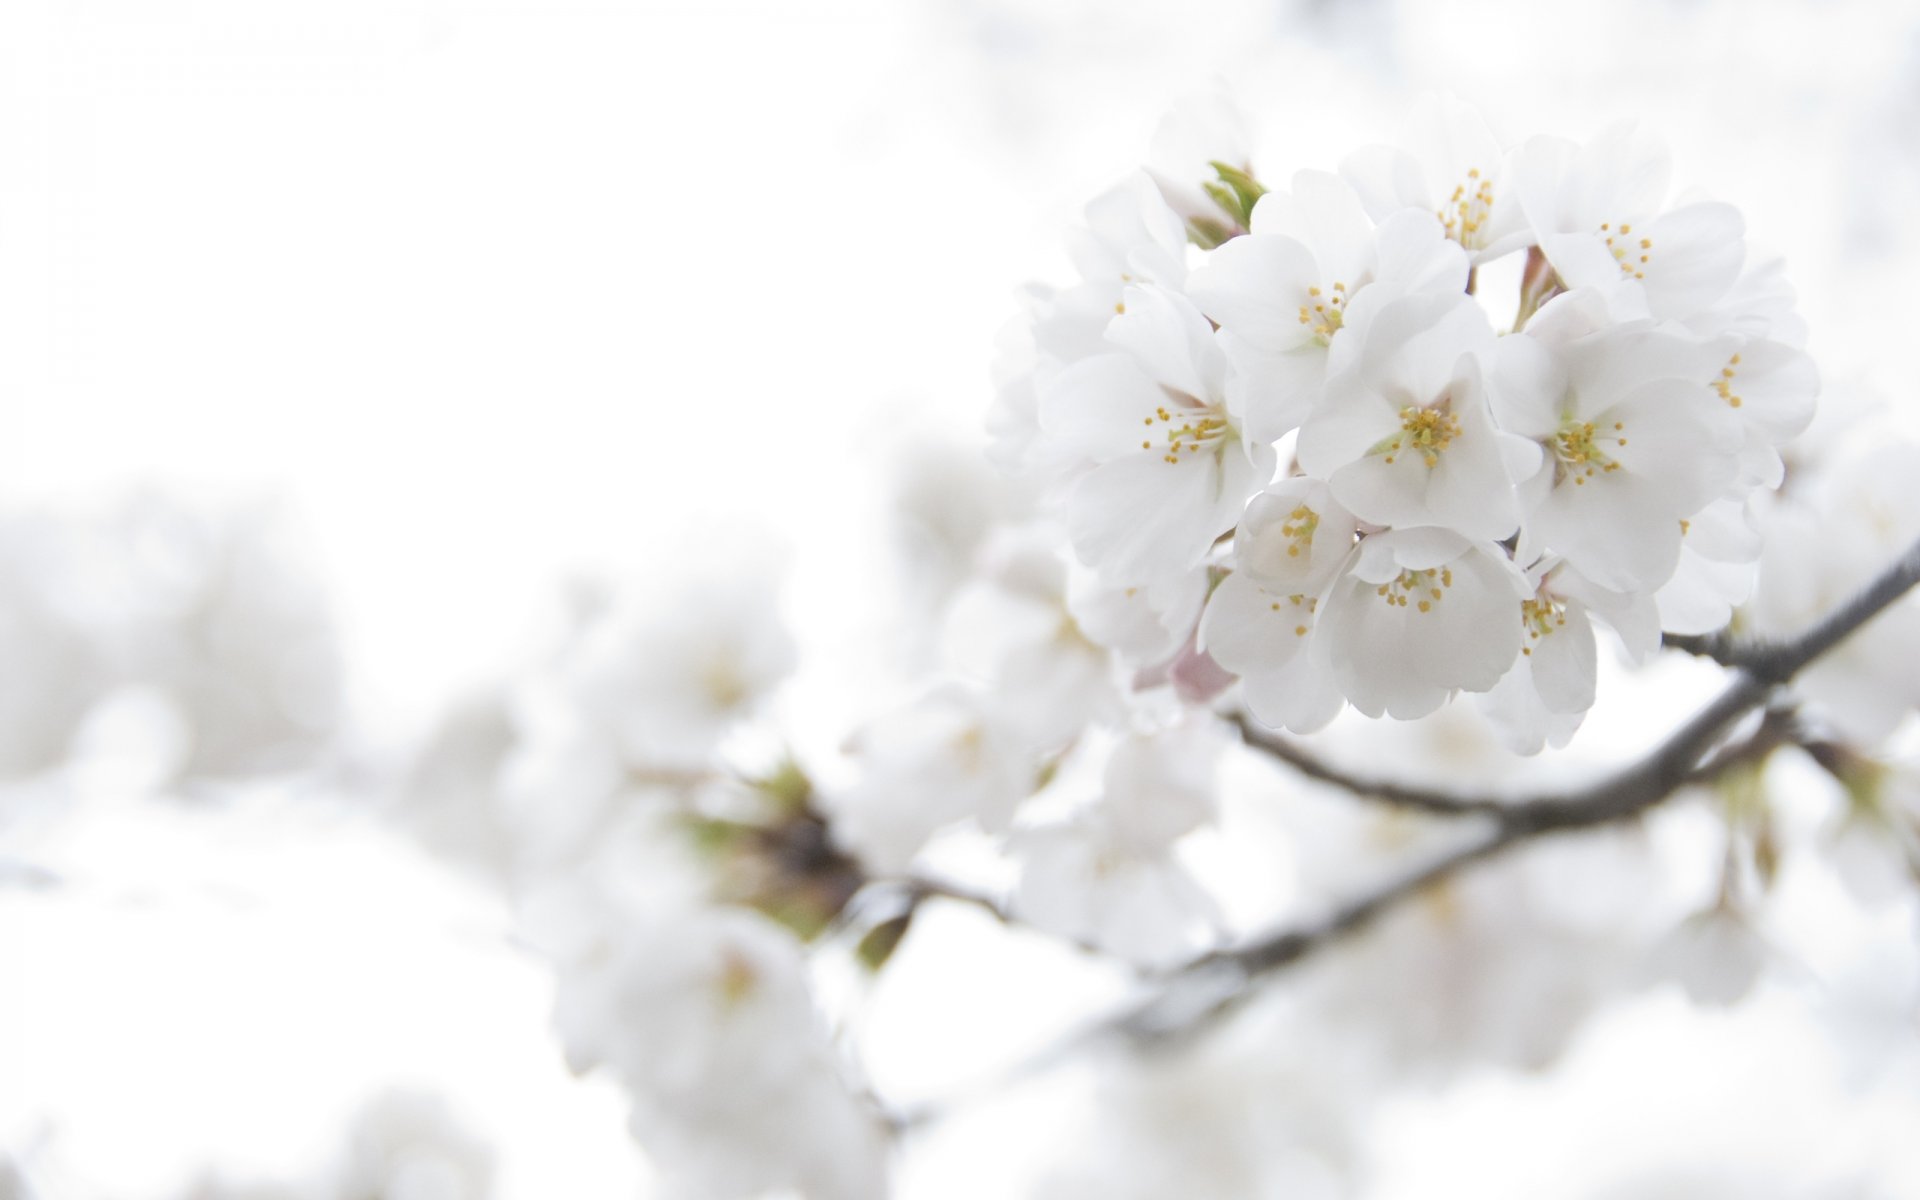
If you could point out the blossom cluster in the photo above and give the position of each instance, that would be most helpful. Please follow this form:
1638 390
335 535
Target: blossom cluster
1393 480
669 895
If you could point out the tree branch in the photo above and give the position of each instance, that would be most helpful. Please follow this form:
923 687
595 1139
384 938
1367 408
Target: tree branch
1778 661
1426 800
1720 647
1679 760
1194 994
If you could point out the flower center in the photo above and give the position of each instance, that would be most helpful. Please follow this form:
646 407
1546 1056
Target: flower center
1190 428
1633 254
1299 600
1724 385
1420 589
1325 312
1577 453
736 980
1540 616
1298 530
1427 428
1465 213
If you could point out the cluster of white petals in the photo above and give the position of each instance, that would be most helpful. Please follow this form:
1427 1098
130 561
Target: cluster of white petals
1393 485
597 790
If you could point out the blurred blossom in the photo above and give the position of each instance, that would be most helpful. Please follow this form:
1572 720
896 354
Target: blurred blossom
665 672
210 614
1108 875
706 1016
1717 956
1823 542
402 1145
411 1146
1486 968
1266 1106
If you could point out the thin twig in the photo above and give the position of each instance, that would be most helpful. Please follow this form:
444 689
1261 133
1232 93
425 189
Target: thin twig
1426 800
1720 647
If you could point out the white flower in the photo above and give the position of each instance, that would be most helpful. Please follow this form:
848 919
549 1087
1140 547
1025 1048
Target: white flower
1634 443
1145 624
947 757
667 673
1719 553
1543 698
1600 212
1449 164
1130 237
1420 614
413 1146
1079 881
1293 541
706 1016
1716 956
1172 469
1404 436
1873 843
1282 295
1108 876
1159 787
1851 522
1504 973
1011 629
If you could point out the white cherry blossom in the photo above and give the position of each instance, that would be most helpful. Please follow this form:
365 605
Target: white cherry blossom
949 756
665 674
1405 436
1130 236
1282 294
1107 875
1447 163
1634 443
1603 217
1847 525
1144 624
1716 956
1294 540
1543 699
1719 554
1172 469
1010 628
1420 614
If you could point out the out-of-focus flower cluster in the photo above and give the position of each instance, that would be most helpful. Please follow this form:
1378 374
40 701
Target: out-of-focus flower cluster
671 893
187 635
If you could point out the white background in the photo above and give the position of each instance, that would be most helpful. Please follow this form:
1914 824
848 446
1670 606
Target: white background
491 292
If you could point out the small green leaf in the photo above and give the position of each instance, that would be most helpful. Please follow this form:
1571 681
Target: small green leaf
1246 189
1207 233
